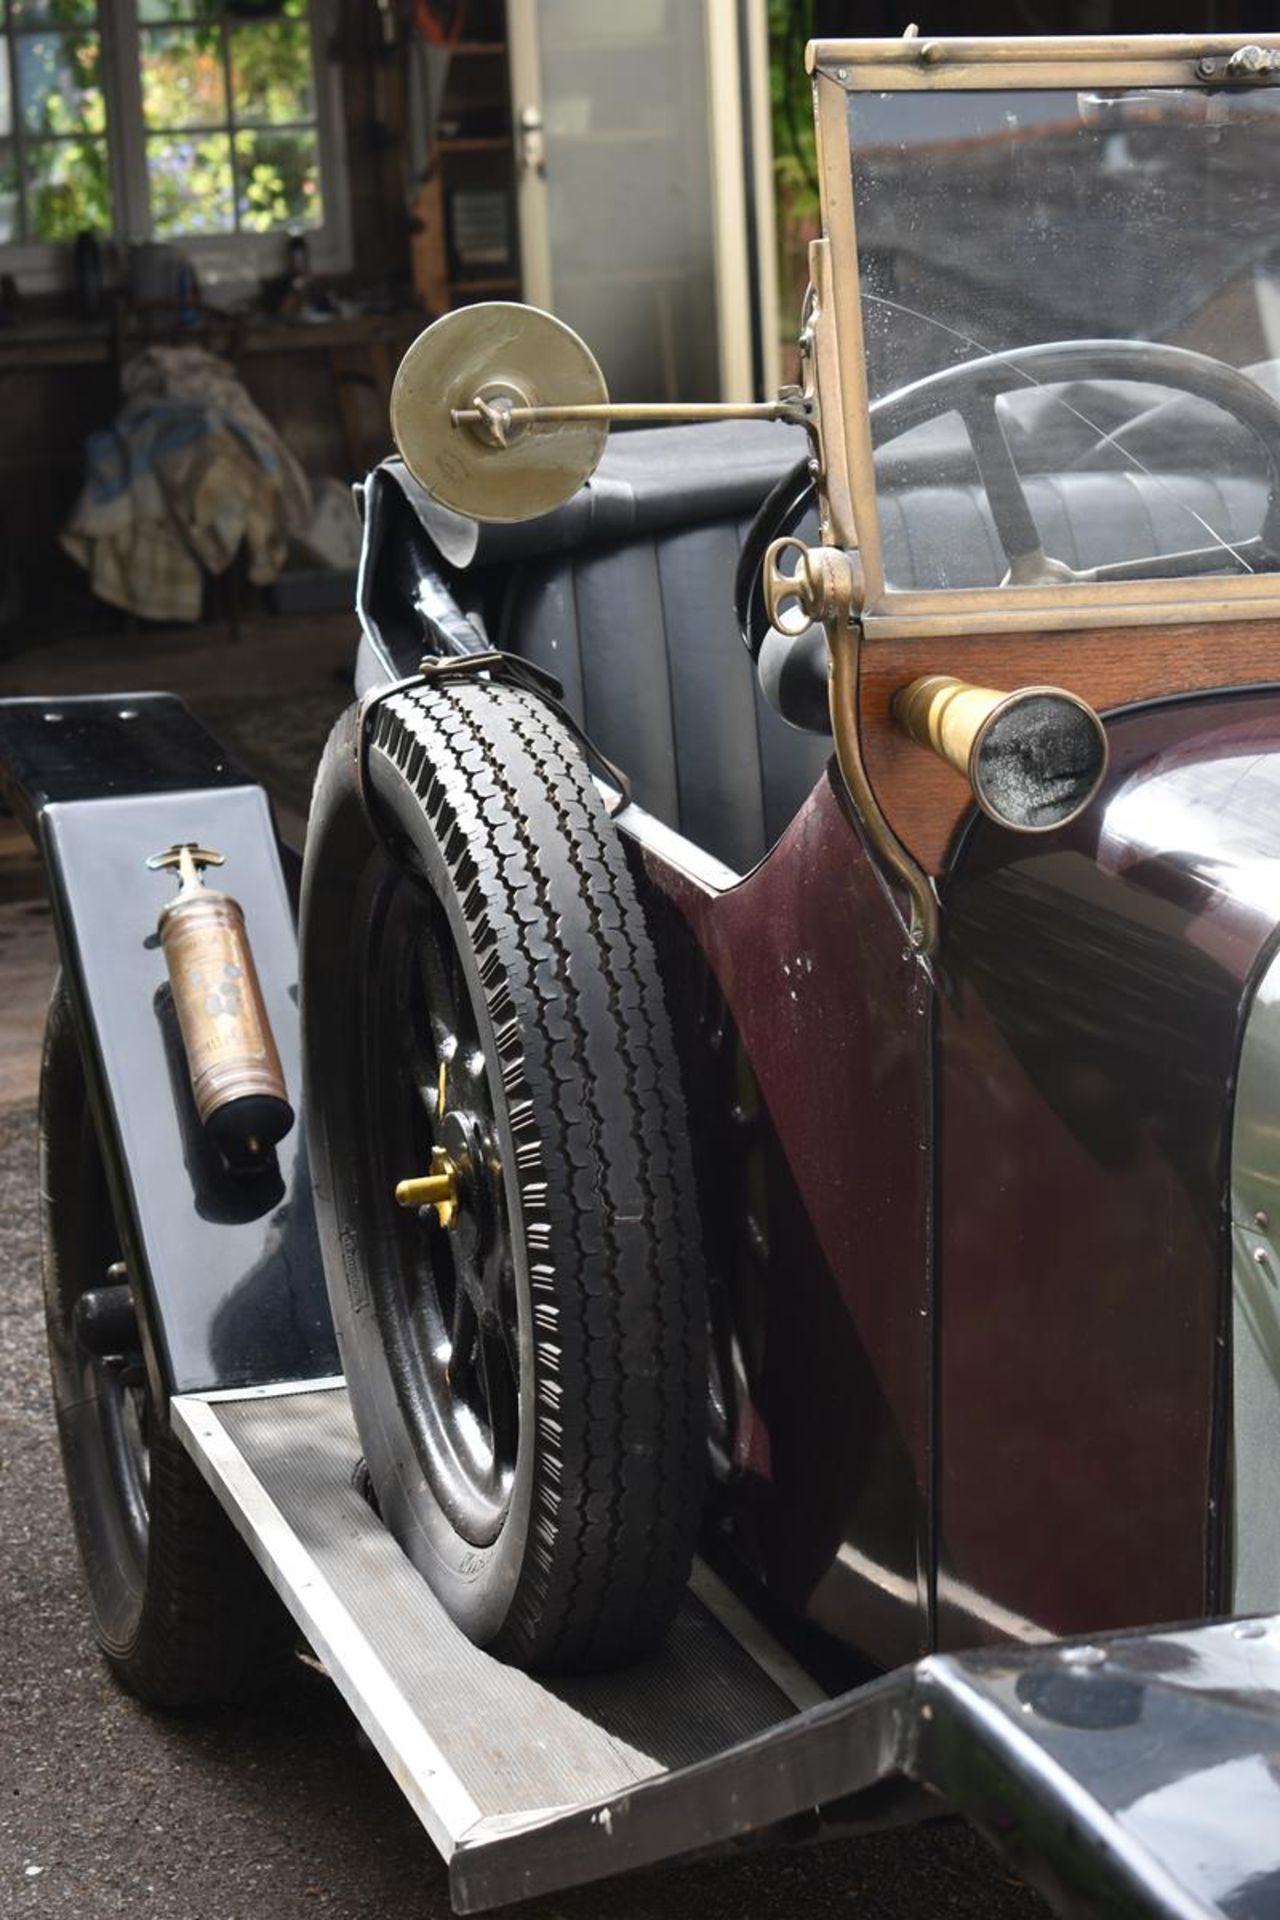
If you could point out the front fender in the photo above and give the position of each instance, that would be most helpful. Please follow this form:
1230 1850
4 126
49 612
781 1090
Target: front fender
1095 990
227 1266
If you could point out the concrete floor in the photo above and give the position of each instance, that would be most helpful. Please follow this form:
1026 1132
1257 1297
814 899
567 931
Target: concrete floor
278 1812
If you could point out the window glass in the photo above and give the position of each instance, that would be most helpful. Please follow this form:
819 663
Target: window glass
55 176
271 72
231 118
52 13
68 189
277 180
189 176
59 84
1132 239
230 142
184 83
151 11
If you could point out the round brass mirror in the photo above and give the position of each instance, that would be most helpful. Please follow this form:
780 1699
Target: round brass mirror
495 357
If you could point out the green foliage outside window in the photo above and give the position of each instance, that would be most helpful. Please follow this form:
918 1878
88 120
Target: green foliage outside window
262 173
68 190
228 107
794 147
53 13
791 24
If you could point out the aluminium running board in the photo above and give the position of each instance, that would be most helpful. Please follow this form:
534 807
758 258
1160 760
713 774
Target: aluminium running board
478 1748
1136 1774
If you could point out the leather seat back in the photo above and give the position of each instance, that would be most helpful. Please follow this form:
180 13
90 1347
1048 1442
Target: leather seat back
944 536
626 594
644 639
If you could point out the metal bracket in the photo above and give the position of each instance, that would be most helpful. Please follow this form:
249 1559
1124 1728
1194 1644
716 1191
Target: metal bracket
439 669
826 586
498 412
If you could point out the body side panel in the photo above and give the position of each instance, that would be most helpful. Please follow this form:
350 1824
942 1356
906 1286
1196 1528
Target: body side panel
1095 987
804 1028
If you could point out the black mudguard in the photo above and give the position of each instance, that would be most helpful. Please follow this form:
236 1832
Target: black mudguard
228 1265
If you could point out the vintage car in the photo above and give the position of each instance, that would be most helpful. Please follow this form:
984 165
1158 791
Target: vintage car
804 1111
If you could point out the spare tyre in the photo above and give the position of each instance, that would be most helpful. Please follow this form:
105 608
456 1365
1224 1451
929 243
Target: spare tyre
524 1329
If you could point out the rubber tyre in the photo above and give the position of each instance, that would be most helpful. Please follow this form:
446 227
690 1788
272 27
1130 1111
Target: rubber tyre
489 805
180 1609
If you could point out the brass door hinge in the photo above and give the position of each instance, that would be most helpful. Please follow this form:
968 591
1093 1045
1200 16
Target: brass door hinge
826 586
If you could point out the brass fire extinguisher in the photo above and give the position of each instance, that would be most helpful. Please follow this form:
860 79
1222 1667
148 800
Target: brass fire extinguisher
235 1071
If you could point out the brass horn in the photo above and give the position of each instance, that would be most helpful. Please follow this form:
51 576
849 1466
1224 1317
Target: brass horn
1033 758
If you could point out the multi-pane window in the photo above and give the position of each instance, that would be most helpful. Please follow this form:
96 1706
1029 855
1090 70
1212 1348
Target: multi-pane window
55 177
230 141
229 108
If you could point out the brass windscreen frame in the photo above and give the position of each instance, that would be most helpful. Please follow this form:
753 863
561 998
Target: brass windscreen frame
841 67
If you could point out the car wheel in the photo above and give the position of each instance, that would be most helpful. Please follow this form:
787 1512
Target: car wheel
526 1359
180 1610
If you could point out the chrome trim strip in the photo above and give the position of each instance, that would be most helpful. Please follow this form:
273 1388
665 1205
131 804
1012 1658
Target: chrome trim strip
786 1673
712 875
1255 1306
325 1383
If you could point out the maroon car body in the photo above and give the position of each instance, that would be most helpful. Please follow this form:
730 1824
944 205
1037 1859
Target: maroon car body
995 1402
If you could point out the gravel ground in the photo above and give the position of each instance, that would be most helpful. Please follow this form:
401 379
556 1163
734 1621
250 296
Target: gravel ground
108 1809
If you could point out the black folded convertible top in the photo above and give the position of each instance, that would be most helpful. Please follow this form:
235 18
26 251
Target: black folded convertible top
649 479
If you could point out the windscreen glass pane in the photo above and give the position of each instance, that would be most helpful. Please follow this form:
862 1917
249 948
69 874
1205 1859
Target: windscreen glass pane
1124 248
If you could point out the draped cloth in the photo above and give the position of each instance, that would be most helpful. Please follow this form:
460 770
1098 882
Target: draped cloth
188 471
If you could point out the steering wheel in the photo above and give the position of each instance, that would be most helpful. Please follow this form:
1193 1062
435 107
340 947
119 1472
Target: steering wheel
971 389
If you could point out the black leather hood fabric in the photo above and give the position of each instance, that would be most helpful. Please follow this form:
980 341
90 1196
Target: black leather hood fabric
625 594
651 479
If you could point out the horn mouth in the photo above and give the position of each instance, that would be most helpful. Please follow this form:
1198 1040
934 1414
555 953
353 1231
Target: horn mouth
1034 758
1038 759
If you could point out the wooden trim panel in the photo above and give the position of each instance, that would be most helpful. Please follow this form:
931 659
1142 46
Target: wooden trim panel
925 802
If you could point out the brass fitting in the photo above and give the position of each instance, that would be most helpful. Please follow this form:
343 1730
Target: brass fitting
1034 758
438 1189
826 585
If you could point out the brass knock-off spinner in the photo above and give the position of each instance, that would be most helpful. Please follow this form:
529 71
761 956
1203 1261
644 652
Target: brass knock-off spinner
232 1059
438 1189
1034 758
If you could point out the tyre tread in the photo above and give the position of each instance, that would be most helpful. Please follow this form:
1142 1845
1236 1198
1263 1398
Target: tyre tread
592 1086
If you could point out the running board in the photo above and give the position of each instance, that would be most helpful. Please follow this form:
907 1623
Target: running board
1137 1774
479 1749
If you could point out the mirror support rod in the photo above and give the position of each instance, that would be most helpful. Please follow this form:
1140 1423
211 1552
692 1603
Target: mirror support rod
493 418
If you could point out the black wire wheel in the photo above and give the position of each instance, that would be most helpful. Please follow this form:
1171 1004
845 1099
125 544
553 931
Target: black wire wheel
180 1610
502 1177
450 1302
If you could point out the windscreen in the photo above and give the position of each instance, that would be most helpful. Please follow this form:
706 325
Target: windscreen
1071 309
